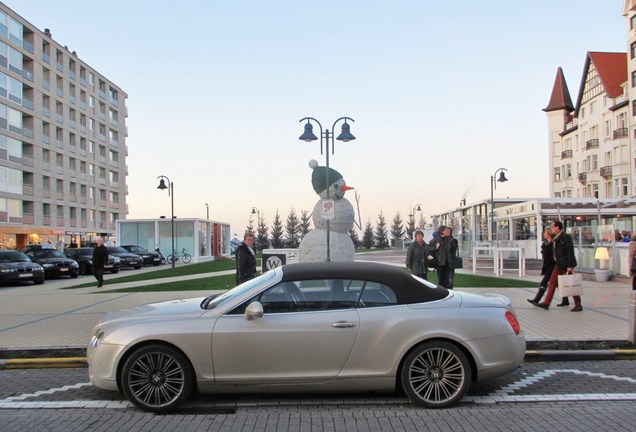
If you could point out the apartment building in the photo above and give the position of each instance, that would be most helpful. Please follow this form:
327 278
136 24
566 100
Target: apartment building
62 141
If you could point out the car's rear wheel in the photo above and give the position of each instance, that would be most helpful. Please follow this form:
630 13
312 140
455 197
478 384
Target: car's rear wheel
436 374
115 270
157 378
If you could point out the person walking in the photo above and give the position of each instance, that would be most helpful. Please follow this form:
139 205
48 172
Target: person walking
630 254
564 262
416 256
446 247
246 259
547 256
100 259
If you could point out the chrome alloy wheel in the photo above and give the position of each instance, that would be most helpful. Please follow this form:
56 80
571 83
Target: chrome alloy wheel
436 374
157 378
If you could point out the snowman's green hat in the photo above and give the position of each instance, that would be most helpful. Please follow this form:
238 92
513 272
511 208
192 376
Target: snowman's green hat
318 177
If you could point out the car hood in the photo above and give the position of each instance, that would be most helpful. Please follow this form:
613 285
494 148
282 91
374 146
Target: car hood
53 260
19 265
164 310
124 255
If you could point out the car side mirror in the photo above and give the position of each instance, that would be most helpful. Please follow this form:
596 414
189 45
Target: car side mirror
253 310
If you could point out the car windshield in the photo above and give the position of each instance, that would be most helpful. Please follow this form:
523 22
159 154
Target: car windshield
117 249
48 253
84 252
13 256
136 249
239 290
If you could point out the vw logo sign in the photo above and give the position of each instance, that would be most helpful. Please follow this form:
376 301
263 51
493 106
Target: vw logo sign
273 262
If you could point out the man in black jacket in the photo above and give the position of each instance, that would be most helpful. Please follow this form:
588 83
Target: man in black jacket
246 259
100 259
564 262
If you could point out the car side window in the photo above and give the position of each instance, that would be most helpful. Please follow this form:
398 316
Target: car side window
377 294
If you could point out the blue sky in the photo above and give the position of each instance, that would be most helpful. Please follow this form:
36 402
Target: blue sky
442 93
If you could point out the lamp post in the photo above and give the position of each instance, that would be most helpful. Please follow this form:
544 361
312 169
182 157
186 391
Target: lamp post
417 208
345 136
162 185
493 185
207 211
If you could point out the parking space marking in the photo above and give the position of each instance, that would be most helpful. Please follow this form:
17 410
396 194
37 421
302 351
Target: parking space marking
505 394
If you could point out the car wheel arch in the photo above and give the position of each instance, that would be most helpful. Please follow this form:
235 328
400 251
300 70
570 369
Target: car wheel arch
131 350
467 353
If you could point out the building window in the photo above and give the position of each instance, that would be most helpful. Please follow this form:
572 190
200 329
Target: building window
632 22
632 50
557 173
59 186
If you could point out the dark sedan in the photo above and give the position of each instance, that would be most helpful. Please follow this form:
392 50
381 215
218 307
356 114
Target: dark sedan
126 258
148 257
55 263
17 267
84 257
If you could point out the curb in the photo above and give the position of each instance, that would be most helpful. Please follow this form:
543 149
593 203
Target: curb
532 356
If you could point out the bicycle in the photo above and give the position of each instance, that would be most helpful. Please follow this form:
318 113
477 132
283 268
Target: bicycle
176 256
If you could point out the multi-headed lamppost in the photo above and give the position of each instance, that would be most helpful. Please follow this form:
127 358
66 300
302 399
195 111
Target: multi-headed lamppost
170 187
493 185
345 136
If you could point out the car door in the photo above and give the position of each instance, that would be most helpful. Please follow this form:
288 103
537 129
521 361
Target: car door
302 337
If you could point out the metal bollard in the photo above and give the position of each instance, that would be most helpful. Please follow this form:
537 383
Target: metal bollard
632 317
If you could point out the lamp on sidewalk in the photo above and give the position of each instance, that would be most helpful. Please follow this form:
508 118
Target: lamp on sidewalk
162 186
493 185
309 136
602 273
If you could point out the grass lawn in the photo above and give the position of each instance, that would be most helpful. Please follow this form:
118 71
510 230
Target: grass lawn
228 281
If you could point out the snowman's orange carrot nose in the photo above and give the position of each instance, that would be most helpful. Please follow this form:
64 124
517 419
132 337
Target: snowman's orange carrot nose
346 188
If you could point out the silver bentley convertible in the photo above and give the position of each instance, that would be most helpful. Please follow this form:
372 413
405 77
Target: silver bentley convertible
313 327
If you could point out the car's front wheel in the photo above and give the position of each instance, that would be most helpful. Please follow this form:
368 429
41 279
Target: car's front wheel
157 378
436 374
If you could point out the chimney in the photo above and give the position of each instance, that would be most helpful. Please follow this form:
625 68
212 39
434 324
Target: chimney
47 32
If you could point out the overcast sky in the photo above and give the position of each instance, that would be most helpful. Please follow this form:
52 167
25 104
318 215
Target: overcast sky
442 94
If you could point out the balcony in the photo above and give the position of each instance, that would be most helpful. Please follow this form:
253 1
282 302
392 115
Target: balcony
620 133
566 154
590 144
582 177
606 171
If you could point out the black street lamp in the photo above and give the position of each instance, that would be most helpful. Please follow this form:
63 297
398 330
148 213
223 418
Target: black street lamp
493 185
207 210
345 136
170 187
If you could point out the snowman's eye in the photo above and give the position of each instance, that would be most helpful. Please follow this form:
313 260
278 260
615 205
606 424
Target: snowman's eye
336 186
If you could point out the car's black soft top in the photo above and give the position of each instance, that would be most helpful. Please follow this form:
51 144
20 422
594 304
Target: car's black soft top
407 289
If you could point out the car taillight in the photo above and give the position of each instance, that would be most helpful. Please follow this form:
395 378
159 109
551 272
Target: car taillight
512 320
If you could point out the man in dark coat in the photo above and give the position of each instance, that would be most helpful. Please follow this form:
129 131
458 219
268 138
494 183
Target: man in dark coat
246 259
100 259
564 262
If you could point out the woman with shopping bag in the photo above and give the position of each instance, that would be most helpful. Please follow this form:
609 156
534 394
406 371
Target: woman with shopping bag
565 261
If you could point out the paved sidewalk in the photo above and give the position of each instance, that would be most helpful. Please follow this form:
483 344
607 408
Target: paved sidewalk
47 317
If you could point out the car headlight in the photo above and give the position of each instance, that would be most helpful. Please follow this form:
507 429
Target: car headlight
96 339
47 265
7 270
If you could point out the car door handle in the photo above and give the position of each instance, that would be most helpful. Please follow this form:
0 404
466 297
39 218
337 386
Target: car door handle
343 324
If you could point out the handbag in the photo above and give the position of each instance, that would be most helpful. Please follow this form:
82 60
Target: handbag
458 262
570 285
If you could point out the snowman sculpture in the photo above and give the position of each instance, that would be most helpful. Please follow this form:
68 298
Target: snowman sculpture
334 210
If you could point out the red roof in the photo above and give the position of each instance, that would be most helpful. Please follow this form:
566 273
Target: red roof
612 70
560 97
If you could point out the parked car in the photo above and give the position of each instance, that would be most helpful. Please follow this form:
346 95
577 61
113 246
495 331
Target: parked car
17 267
84 258
32 247
55 263
148 257
126 259
326 327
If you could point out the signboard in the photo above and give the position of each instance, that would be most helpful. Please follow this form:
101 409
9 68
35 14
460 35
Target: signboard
327 209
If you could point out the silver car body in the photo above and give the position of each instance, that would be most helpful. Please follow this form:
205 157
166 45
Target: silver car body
349 349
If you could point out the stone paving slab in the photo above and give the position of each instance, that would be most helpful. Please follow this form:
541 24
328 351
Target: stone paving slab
37 316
